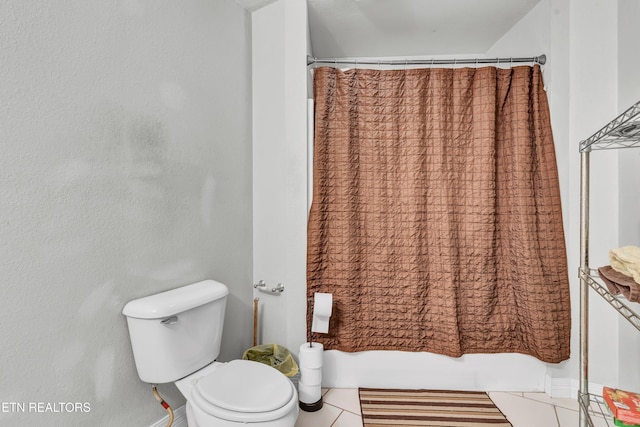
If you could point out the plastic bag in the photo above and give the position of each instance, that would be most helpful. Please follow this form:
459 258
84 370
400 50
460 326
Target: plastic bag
274 355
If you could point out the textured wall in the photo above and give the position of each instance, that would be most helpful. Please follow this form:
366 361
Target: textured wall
125 130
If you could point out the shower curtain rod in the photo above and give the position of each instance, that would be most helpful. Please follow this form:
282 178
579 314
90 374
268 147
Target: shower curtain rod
542 59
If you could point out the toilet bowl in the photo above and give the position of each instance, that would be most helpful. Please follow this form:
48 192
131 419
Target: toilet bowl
176 336
237 393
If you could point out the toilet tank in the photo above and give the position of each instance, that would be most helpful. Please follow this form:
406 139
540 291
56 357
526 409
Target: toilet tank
177 332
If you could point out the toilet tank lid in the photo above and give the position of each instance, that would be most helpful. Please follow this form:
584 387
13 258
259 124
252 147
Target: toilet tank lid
175 301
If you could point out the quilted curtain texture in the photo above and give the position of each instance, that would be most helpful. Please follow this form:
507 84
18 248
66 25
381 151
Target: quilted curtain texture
436 219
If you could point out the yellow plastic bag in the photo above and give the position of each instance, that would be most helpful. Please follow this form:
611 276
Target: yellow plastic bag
274 355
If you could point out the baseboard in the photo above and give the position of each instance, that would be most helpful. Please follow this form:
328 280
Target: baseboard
561 387
179 418
567 387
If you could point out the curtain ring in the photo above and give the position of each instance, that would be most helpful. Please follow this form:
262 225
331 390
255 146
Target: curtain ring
476 63
511 62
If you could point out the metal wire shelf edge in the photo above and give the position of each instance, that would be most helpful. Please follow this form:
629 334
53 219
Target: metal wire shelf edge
627 115
617 144
601 290
585 400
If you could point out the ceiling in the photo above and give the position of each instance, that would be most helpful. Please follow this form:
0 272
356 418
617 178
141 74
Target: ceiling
252 5
387 28
405 28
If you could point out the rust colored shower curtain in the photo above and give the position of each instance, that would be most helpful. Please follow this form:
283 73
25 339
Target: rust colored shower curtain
436 220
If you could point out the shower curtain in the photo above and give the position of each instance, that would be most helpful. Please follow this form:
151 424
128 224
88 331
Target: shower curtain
436 220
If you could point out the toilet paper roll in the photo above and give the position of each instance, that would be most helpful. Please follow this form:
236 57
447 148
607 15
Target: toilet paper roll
322 307
309 394
311 376
311 357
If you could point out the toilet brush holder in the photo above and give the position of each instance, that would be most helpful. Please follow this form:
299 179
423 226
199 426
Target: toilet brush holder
310 383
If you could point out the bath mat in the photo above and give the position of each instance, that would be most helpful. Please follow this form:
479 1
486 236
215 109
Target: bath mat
429 408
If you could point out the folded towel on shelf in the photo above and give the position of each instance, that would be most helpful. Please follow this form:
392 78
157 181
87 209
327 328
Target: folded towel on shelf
619 283
626 260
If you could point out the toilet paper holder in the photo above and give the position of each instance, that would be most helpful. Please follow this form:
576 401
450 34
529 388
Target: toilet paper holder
262 287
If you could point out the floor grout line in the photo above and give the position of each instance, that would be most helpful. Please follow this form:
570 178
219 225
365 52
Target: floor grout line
555 411
337 418
342 409
522 395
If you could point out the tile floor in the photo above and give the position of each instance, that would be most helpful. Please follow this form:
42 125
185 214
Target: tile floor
342 409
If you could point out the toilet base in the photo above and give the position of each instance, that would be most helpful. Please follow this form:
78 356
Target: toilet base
311 407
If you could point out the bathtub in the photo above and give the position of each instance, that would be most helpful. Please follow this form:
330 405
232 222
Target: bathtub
398 369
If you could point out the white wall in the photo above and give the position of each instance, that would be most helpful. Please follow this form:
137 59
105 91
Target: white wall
580 38
279 168
278 232
583 83
275 236
582 97
125 171
593 103
591 76
629 179
545 29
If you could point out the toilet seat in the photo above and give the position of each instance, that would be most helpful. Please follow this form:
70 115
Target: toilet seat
244 391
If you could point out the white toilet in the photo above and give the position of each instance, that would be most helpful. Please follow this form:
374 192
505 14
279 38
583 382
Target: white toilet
176 336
